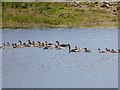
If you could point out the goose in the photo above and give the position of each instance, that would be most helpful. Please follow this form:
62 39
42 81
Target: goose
46 46
38 44
50 45
58 47
79 49
73 50
118 50
1 48
108 50
17 45
42 44
62 45
33 43
87 50
8 44
113 51
26 45
101 51
20 42
46 43
3 45
13 45
29 42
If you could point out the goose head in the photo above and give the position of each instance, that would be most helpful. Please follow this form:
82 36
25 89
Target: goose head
99 49
58 42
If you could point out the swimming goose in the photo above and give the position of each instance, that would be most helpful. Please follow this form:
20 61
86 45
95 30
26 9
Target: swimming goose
1 47
14 45
50 45
113 51
118 50
39 43
33 43
29 42
20 42
26 45
62 45
73 50
101 51
108 50
42 44
58 47
87 50
46 46
17 45
46 43
8 44
78 49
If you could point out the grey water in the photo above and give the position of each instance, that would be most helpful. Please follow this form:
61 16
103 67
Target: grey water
34 67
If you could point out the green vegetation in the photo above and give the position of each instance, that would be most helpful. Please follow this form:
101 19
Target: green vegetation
55 14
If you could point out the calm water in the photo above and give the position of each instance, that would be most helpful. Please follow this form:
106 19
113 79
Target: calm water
35 67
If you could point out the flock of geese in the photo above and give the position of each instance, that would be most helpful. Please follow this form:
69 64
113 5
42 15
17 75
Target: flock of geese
56 45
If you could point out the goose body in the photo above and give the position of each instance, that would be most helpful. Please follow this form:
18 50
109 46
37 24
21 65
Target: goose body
1 48
38 44
58 47
20 42
6 44
50 43
62 45
107 50
26 45
73 50
45 47
101 51
17 45
113 51
87 50
29 42
118 50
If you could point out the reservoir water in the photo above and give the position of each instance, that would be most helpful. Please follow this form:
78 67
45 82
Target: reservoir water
38 68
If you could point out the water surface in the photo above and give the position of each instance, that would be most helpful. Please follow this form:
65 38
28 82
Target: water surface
38 68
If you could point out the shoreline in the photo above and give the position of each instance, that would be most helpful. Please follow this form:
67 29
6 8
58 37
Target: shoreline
26 28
